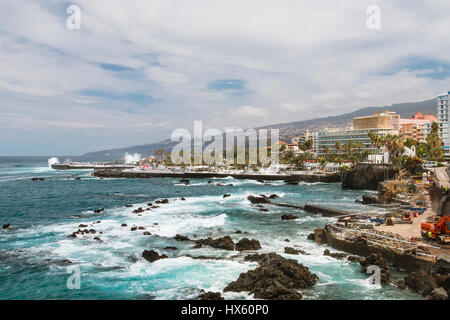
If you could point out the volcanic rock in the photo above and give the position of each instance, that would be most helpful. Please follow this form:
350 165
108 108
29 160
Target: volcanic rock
276 278
246 244
225 243
210 296
179 237
256 199
226 195
288 217
152 256
6 226
335 255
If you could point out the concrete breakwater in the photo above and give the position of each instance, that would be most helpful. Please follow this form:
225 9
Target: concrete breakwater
289 178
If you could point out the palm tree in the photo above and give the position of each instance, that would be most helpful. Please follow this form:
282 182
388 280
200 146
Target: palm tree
160 153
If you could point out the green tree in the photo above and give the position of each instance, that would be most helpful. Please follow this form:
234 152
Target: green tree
434 142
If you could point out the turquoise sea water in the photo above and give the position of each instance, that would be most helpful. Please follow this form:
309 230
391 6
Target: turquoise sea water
43 213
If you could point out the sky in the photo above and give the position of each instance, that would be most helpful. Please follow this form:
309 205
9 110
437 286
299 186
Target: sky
138 69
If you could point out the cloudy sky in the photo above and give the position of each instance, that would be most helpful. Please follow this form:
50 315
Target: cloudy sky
138 69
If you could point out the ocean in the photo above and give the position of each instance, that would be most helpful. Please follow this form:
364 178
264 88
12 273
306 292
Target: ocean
38 260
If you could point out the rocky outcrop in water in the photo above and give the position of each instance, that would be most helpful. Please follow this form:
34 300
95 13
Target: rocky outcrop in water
210 296
368 199
336 255
5 226
247 244
288 217
225 243
366 176
256 199
290 250
179 237
152 256
276 278
434 283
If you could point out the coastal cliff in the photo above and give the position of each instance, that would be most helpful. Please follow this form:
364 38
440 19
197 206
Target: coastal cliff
366 176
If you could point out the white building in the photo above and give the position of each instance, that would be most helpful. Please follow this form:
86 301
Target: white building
443 121
328 138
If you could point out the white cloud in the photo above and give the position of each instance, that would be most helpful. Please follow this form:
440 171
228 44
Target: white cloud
298 60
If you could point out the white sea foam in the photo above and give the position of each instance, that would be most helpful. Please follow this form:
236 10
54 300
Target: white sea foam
53 160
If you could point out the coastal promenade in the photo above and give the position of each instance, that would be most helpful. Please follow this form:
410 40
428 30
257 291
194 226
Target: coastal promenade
289 178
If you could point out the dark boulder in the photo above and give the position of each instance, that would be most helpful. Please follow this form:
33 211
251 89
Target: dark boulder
288 217
335 255
128 205
179 237
210 296
246 244
82 226
225 243
420 282
99 210
311 236
273 196
354 259
124 225
5 226
152 256
290 250
226 195
276 278
170 248
368 199
163 201
256 199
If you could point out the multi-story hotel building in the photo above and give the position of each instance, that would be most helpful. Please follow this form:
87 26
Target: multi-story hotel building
443 121
415 127
381 123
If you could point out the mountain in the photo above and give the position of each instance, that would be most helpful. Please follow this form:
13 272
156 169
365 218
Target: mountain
406 110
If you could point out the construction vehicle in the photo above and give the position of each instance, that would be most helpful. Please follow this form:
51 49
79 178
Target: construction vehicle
407 217
439 228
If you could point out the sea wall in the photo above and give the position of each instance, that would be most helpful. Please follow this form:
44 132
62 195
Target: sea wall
367 176
404 261
207 175
327 212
